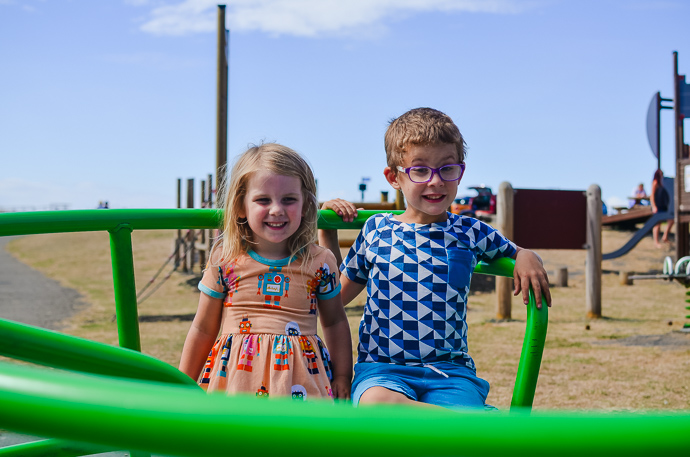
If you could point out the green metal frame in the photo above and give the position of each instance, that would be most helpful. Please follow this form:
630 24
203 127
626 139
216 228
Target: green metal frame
40 346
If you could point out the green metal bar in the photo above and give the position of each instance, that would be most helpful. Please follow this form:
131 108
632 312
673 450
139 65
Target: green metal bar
125 289
31 223
53 448
329 220
57 350
532 351
170 420
535 337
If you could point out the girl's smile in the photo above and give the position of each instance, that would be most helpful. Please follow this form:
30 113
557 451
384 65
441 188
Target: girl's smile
273 209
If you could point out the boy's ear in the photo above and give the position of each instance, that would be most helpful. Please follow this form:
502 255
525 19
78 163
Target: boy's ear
391 177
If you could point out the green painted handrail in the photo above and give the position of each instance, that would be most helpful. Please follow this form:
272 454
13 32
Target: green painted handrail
57 350
170 420
121 222
62 351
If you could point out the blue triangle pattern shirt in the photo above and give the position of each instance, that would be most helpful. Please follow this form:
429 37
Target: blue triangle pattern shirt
418 278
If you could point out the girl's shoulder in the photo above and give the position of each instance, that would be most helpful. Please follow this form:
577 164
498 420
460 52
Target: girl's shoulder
320 254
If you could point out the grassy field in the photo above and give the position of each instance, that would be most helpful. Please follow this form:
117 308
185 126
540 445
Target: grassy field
633 358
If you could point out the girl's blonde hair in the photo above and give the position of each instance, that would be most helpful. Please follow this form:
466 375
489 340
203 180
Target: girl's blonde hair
236 238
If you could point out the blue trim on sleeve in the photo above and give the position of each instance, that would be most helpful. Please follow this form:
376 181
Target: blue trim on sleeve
210 292
330 294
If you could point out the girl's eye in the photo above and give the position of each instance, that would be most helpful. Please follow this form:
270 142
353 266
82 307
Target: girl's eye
289 200
262 201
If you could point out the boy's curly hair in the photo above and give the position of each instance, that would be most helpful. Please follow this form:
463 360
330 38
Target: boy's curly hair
421 126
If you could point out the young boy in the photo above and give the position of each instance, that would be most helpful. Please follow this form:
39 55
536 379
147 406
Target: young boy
417 268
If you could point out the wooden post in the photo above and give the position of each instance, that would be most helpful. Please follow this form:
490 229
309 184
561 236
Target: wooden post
593 261
399 200
384 196
202 232
222 96
561 279
189 257
210 204
504 219
178 240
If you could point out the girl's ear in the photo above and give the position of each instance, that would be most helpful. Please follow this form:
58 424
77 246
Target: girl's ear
391 177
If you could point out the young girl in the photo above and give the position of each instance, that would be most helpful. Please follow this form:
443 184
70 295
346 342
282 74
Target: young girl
265 284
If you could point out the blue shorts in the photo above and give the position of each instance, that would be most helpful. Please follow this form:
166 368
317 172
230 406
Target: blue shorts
461 389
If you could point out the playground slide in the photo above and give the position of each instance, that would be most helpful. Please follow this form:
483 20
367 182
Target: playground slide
641 233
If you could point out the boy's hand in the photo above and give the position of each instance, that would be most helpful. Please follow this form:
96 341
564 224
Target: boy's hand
529 270
341 386
343 208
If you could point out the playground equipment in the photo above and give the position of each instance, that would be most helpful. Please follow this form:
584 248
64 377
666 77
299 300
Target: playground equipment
680 272
647 227
119 398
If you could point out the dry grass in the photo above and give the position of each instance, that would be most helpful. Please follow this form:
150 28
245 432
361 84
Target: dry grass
606 364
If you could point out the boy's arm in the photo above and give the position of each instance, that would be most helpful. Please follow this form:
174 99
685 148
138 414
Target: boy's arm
529 270
329 238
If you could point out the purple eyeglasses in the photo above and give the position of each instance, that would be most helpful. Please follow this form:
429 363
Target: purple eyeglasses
422 175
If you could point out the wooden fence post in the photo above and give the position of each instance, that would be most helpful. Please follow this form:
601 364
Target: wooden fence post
593 261
178 240
504 219
189 257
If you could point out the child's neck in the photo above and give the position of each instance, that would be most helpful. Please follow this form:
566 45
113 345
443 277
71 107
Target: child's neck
271 252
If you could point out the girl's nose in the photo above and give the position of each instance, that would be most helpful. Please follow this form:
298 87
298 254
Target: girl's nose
276 210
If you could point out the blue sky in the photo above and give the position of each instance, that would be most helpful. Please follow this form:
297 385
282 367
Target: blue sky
115 99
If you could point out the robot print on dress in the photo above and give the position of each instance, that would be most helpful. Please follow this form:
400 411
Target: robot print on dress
299 393
282 348
230 282
273 285
326 280
308 352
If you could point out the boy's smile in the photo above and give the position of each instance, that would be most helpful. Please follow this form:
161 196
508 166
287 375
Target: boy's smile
426 202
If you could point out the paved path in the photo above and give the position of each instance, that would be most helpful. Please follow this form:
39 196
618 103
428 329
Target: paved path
28 297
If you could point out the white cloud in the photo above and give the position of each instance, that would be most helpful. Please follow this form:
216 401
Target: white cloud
308 18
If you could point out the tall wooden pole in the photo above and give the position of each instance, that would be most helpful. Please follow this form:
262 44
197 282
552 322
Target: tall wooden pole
222 103
593 260
504 219
682 241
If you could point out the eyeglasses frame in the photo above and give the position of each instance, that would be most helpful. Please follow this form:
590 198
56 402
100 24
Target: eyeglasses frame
434 171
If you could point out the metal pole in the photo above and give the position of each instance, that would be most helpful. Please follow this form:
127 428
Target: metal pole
124 286
682 247
658 130
222 91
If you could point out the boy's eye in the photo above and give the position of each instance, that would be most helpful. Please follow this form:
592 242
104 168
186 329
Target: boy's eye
419 172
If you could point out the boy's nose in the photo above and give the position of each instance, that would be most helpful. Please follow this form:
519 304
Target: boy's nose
436 180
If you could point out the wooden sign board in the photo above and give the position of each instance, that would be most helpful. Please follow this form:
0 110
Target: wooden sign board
550 219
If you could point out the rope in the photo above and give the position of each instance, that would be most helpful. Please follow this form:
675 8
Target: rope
140 295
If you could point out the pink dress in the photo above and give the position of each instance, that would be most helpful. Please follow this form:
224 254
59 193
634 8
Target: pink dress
268 343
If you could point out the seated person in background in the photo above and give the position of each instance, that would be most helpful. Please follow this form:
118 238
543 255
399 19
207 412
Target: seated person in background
638 193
